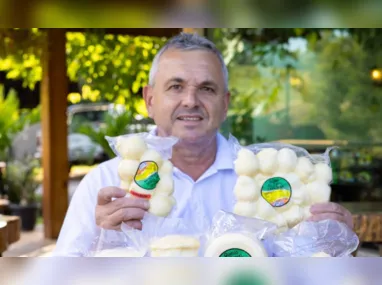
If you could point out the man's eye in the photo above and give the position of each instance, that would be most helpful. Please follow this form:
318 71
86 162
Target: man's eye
176 87
207 89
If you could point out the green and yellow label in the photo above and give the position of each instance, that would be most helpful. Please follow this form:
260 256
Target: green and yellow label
147 176
235 252
276 191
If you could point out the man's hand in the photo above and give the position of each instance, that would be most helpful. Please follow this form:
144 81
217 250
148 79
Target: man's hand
333 211
110 214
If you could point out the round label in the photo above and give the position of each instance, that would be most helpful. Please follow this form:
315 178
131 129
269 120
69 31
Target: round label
276 191
147 176
235 252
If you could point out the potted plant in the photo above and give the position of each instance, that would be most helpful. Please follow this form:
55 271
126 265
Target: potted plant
21 186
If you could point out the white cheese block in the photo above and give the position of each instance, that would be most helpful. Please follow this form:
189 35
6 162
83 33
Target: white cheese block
286 160
152 155
127 169
131 147
268 160
246 189
235 245
245 208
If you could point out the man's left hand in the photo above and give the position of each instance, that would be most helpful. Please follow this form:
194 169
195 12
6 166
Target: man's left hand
333 211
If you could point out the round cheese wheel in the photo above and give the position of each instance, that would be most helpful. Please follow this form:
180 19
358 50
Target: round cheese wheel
323 173
127 169
304 169
246 189
175 246
152 155
161 205
131 147
166 168
286 160
165 186
268 160
235 245
319 192
246 163
245 208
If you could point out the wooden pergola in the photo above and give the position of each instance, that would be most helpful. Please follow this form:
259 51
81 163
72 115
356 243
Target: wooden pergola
54 91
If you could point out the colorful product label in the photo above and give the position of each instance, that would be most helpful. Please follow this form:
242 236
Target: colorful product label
276 191
235 252
147 176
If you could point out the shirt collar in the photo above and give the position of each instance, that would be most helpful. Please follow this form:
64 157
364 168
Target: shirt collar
224 156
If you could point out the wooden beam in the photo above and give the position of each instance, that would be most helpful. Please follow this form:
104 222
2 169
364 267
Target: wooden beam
200 32
151 32
54 92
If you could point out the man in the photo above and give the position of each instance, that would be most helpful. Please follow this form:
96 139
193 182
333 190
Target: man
188 98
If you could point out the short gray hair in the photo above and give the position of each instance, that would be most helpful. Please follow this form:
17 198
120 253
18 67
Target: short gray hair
185 41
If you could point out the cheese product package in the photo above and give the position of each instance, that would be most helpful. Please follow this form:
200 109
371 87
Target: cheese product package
167 236
145 169
279 182
232 235
327 238
115 243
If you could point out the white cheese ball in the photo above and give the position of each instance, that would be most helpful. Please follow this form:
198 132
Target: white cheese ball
306 212
293 216
319 192
246 189
268 160
152 155
279 220
131 147
247 209
286 160
304 169
260 179
140 191
246 163
161 205
300 196
125 185
323 172
165 186
166 168
264 210
175 246
127 169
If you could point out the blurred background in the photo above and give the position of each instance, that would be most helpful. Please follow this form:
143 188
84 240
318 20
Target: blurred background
311 87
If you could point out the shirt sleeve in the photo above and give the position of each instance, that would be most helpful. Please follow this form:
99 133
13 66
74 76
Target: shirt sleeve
79 230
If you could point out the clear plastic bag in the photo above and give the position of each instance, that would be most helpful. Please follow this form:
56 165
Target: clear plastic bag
323 238
232 235
114 243
145 170
168 237
279 182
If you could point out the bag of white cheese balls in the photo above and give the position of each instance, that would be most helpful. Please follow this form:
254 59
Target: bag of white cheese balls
168 236
233 235
327 238
145 168
279 182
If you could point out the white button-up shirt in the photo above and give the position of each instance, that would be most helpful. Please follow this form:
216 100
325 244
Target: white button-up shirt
212 192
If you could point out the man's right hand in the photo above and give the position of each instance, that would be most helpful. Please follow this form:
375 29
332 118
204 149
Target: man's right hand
110 214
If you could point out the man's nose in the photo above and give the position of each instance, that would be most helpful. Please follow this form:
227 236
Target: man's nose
190 99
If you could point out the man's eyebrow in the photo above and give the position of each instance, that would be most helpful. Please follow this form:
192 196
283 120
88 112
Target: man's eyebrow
209 83
175 79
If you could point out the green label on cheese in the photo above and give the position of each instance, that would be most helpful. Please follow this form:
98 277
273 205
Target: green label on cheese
276 191
147 176
235 252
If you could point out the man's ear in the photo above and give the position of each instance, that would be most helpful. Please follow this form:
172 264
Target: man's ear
227 98
148 97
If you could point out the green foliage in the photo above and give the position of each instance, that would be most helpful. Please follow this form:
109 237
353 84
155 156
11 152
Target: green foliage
114 125
107 67
20 182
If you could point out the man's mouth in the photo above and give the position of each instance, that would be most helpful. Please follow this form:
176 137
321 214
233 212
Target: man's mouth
190 118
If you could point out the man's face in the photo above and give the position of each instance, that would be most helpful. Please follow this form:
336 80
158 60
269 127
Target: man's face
188 99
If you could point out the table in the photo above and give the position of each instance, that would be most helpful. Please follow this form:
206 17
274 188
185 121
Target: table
10 228
367 218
